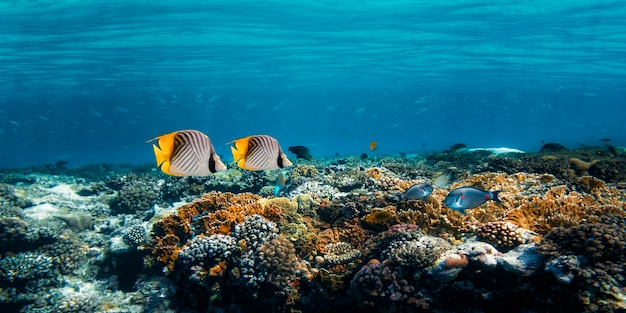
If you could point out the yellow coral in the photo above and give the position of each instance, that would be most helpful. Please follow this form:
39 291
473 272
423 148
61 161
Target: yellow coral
380 216
562 207
374 172
431 215
303 170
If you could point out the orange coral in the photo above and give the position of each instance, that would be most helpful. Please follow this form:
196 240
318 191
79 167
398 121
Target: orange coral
455 262
380 216
330 235
353 233
218 269
213 213
374 172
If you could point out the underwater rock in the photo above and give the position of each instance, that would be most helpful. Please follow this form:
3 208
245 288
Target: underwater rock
581 167
77 221
301 152
456 147
44 211
552 147
523 260
564 268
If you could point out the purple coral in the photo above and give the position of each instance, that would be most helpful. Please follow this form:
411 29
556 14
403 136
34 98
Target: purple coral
378 284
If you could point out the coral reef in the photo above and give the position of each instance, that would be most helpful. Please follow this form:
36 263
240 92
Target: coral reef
136 194
589 259
121 239
501 234
135 235
340 253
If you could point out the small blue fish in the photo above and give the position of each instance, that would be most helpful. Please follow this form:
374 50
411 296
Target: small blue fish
417 192
283 181
469 197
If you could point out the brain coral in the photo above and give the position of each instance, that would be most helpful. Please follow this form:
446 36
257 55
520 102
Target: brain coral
137 193
596 242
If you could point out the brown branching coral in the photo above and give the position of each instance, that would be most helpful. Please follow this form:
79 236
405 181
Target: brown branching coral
431 215
561 207
349 231
590 184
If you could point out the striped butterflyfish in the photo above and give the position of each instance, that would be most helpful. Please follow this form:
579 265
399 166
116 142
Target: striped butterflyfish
259 152
186 153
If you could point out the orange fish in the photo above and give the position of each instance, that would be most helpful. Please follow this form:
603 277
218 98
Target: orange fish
373 145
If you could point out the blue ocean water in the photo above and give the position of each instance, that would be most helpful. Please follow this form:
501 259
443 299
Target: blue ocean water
91 81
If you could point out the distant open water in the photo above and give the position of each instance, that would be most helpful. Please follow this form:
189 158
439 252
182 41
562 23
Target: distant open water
91 81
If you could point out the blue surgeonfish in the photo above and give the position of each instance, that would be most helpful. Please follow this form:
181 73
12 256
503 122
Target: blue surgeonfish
417 192
464 198
283 181
186 153
259 152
